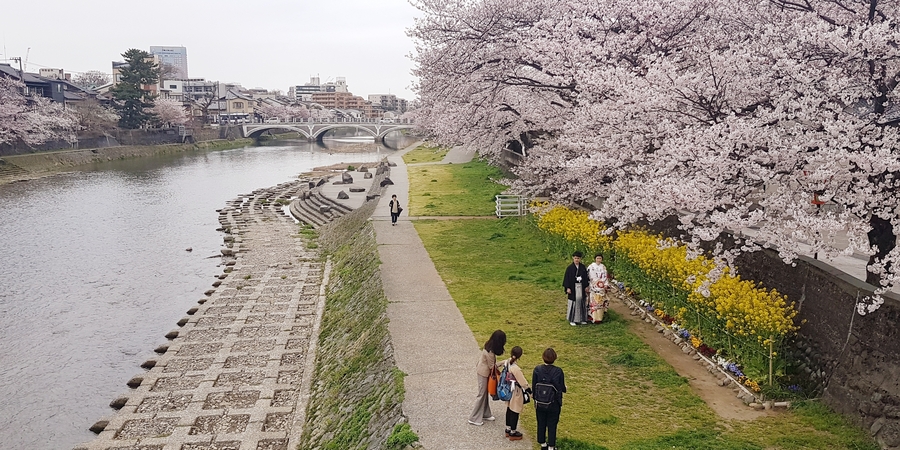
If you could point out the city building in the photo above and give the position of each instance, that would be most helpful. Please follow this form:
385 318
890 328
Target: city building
389 102
173 89
238 107
197 88
175 57
344 101
56 74
57 90
304 92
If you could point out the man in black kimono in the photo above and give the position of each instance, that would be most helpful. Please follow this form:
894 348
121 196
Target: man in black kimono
576 284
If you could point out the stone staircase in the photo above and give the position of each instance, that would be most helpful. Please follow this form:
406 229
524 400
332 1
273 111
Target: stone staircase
315 209
10 171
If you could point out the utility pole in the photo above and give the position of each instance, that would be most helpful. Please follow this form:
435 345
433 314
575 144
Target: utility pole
21 72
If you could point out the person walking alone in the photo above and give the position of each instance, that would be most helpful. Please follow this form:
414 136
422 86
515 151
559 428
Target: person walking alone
549 385
486 362
395 209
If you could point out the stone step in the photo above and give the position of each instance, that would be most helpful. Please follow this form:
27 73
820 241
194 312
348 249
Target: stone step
304 215
323 200
10 170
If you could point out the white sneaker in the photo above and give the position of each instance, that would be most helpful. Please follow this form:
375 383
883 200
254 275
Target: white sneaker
573 323
490 419
477 424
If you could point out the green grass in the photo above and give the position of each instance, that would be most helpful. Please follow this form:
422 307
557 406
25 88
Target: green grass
358 390
454 189
425 154
621 394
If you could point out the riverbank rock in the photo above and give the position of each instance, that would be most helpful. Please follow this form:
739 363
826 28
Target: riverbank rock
386 182
367 175
343 195
357 189
346 178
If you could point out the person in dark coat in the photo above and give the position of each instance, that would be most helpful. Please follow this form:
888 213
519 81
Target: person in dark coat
577 286
548 418
395 209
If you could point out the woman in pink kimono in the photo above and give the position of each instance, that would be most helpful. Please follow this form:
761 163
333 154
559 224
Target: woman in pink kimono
599 281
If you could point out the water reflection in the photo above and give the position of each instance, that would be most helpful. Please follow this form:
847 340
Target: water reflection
97 273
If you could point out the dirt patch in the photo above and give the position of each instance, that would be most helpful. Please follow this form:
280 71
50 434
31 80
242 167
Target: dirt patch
721 400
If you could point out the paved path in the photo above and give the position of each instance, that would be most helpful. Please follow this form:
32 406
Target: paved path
236 376
432 343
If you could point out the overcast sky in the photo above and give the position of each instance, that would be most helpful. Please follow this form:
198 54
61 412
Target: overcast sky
271 44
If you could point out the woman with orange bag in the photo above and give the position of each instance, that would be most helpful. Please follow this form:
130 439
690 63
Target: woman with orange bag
486 362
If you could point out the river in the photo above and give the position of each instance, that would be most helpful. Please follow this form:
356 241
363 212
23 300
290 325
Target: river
96 272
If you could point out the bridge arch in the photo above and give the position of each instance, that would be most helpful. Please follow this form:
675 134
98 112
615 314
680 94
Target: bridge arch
321 131
312 129
257 132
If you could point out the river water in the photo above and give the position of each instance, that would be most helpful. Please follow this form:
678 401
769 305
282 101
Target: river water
96 272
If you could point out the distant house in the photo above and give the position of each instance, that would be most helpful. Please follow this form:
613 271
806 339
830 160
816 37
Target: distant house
59 90
238 107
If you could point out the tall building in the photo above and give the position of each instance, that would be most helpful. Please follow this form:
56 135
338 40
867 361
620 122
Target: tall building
175 57
389 102
303 92
343 100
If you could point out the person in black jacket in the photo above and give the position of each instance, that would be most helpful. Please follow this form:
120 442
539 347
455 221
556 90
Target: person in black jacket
577 285
548 416
395 209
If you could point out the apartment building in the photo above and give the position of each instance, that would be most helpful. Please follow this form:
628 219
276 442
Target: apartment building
175 57
344 100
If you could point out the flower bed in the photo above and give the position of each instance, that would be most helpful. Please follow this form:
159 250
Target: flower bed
738 324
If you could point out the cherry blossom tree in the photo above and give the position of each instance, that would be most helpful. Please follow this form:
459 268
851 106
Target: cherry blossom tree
168 111
320 113
91 79
283 112
33 119
740 117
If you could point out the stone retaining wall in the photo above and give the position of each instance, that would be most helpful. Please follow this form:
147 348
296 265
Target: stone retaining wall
855 359
43 163
356 397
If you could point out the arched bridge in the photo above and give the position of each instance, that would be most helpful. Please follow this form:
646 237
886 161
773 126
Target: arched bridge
315 128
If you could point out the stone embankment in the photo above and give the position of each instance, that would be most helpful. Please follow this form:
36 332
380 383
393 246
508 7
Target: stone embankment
237 372
34 165
242 371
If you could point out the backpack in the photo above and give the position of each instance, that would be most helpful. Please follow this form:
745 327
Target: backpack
543 393
505 385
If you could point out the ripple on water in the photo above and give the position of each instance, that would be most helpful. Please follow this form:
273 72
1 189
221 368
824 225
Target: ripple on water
96 274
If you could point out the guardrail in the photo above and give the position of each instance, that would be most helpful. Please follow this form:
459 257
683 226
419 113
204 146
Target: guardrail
511 206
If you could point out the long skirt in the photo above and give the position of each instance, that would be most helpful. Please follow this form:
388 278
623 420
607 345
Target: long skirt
598 305
578 308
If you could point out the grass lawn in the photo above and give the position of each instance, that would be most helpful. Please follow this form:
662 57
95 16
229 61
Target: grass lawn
621 394
453 189
425 154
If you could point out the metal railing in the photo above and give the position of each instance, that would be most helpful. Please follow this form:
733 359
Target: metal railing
511 206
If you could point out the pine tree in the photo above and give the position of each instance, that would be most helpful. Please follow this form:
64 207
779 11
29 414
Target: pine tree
132 101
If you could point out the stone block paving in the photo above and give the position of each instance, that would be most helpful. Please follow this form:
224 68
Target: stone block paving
234 376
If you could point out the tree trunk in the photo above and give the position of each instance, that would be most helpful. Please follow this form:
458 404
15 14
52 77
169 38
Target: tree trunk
881 236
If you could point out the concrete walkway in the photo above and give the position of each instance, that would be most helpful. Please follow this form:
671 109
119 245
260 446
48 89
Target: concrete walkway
432 343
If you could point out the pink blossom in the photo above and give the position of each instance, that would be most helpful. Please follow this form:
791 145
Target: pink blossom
731 115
